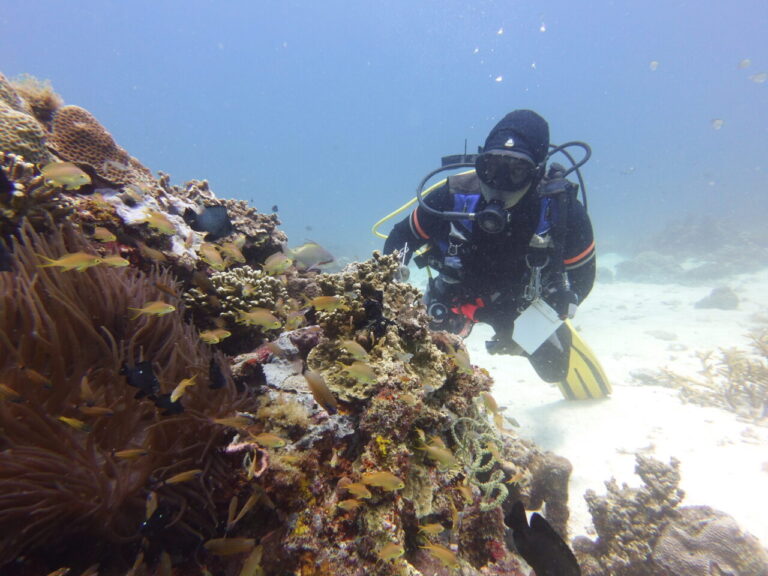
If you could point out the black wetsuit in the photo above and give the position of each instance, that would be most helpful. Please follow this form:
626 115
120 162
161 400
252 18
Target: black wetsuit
491 269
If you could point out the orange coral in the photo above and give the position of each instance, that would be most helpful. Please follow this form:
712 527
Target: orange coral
78 137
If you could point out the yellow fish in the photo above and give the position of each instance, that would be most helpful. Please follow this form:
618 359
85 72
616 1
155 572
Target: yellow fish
259 317
75 423
320 392
383 479
443 456
214 336
103 234
154 308
460 358
64 174
328 303
211 255
159 222
8 393
349 505
310 255
277 263
489 402
184 476
232 251
269 440
131 453
151 253
390 551
446 556
240 421
358 490
76 261
249 504
150 506
431 529
361 372
357 351
229 546
178 392
115 261
96 410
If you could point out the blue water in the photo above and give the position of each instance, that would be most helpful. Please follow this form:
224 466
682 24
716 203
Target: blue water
334 110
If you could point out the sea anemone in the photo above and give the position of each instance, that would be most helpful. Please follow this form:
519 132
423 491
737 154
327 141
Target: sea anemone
81 451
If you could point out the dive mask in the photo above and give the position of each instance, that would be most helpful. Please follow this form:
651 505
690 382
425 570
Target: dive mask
505 171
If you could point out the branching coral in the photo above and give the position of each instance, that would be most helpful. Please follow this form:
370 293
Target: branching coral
30 198
731 379
64 475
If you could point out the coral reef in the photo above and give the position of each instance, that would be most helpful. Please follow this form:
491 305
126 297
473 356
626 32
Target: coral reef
696 250
343 438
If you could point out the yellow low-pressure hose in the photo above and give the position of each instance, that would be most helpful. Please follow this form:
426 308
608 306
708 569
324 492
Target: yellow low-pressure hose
403 208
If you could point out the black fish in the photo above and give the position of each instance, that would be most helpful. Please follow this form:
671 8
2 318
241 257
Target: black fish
142 376
6 187
211 219
5 258
539 545
274 208
216 376
168 407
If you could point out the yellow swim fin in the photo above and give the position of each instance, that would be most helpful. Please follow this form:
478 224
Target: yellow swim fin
585 379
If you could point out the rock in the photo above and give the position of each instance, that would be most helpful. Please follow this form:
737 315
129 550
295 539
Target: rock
701 538
649 267
721 298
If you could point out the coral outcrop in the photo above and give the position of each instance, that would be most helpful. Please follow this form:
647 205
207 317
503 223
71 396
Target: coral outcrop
340 437
643 532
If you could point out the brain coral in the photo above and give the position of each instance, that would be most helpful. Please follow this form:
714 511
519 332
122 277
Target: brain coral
78 137
20 133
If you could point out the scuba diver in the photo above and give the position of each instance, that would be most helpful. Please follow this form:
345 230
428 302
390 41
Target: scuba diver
513 247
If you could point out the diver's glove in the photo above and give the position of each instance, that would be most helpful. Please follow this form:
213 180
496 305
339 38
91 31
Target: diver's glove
564 301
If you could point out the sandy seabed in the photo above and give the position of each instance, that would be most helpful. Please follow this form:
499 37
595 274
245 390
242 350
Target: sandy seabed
633 328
